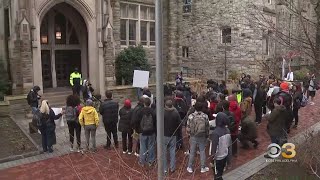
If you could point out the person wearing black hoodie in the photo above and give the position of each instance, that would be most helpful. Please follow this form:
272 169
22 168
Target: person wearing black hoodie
147 121
221 145
172 122
182 108
135 122
258 100
125 127
33 98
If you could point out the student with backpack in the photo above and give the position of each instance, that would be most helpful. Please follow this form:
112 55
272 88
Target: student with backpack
198 131
147 122
135 123
125 127
221 145
33 98
182 108
71 115
235 109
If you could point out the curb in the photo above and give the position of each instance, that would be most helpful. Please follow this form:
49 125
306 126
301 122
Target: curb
252 167
21 156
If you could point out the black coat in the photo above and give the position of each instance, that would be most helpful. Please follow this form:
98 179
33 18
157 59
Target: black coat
50 127
135 118
172 121
125 120
33 99
147 111
109 110
259 99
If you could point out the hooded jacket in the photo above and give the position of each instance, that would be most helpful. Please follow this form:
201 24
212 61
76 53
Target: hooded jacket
277 122
172 121
221 138
235 109
89 116
32 98
147 111
109 110
125 119
248 128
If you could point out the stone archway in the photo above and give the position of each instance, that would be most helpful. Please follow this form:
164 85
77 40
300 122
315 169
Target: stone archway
63 37
94 73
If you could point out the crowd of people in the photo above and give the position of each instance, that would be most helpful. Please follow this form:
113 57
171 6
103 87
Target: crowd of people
192 120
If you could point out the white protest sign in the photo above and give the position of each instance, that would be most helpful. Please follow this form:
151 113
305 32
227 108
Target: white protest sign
140 79
59 122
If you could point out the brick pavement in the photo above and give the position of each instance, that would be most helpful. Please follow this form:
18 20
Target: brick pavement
113 164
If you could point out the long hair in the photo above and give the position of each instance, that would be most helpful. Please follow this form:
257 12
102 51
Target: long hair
44 108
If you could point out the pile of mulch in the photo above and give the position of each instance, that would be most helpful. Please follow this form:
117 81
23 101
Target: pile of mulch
12 140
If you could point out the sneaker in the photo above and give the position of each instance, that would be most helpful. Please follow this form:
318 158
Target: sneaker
166 173
311 103
205 169
124 152
130 153
187 152
189 169
71 149
136 154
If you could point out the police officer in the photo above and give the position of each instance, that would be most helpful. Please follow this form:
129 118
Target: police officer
76 81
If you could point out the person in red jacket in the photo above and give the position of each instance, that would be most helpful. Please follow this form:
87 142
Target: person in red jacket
235 109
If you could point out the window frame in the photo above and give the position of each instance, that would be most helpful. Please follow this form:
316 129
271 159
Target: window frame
269 1
223 37
139 20
185 52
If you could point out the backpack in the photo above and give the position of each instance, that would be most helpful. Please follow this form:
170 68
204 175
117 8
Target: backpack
181 107
147 123
304 101
232 122
198 125
39 118
71 114
29 97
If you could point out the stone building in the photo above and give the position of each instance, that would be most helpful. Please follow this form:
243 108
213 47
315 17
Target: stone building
42 41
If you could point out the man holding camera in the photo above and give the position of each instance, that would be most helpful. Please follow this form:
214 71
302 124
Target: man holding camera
33 98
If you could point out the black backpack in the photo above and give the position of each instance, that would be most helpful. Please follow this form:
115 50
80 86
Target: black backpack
147 123
29 97
40 119
181 107
232 122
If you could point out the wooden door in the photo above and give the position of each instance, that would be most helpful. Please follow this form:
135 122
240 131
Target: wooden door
46 69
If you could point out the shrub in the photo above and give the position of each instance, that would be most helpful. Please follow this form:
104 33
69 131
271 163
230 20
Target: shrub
130 59
4 84
301 74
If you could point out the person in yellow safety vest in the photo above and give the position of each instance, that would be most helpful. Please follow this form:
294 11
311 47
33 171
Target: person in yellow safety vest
239 97
76 81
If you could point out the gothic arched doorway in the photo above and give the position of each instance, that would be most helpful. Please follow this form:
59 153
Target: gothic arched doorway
64 45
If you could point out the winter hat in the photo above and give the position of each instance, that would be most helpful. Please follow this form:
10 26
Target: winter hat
89 102
127 103
284 86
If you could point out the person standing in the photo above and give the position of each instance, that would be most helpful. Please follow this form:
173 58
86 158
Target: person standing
135 123
125 127
172 122
276 127
297 99
48 127
147 121
72 117
312 89
306 82
246 104
33 98
109 110
182 108
76 81
258 100
198 131
221 145
89 119
286 98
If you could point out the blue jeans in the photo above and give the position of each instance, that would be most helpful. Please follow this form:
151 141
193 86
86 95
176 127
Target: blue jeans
170 144
147 148
201 142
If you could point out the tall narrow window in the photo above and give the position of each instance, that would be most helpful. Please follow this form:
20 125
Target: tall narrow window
269 1
226 35
137 27
265 45
44 31
185 51
187 6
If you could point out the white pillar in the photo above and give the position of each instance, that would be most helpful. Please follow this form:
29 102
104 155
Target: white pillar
36 54
92 55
